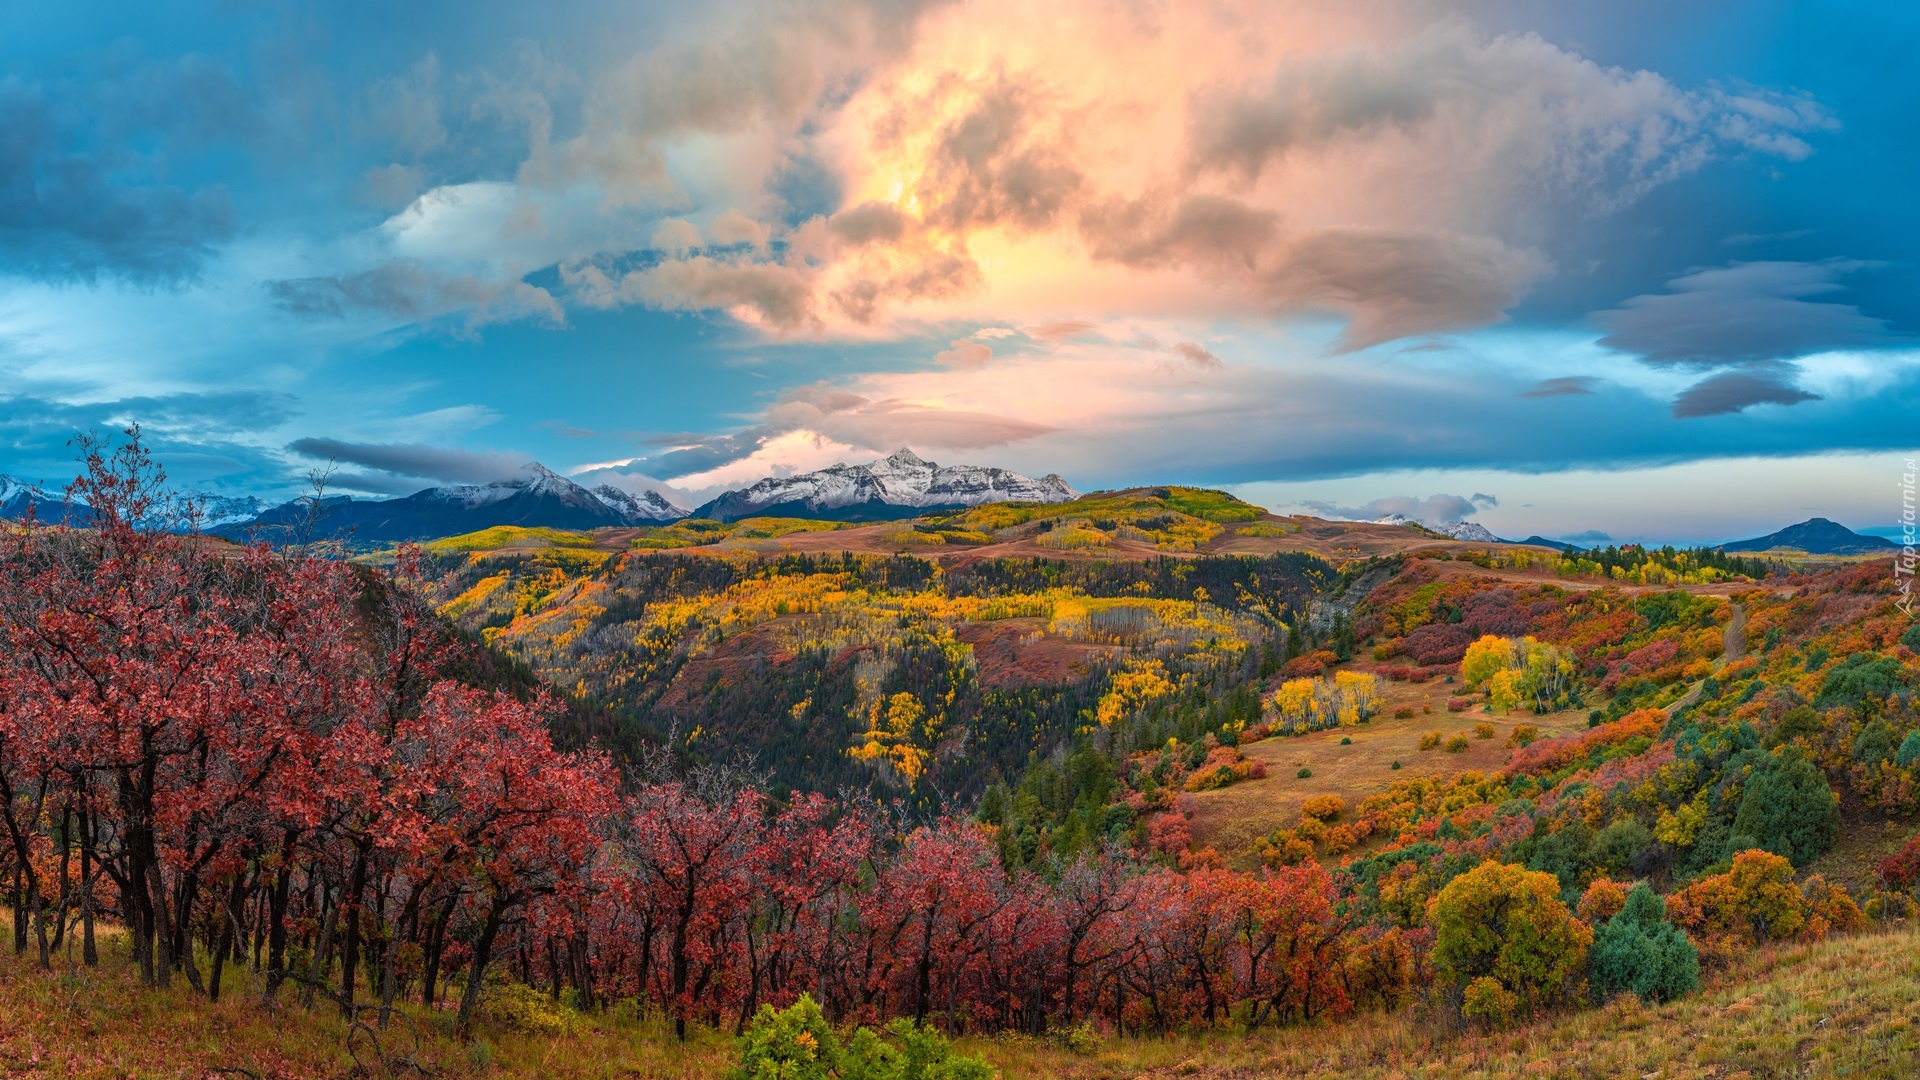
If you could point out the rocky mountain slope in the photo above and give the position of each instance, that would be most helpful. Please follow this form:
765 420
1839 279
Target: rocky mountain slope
901 485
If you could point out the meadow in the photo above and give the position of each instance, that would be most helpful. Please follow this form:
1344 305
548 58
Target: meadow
1843 1007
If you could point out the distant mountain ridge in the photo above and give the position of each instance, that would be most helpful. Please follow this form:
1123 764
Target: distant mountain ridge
901 485
538 497
17 497
1815 536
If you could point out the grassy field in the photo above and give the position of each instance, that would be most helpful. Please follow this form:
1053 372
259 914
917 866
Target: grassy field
1844 1007
1229 819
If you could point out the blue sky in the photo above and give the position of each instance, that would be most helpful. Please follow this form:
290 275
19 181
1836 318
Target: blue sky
1636 269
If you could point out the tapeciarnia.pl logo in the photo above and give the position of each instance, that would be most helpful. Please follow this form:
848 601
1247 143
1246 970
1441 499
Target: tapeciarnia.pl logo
1903 563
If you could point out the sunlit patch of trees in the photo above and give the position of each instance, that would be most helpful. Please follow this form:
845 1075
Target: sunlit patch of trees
1345 699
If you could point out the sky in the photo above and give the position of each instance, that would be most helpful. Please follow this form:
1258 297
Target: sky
1625 271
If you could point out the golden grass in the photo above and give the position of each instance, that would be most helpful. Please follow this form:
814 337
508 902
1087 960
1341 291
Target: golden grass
1843 1007
500 537
1230 819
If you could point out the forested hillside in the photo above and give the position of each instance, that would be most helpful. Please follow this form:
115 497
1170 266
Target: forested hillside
886 672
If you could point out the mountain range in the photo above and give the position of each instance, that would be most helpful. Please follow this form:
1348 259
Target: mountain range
17 498
537 497
901 485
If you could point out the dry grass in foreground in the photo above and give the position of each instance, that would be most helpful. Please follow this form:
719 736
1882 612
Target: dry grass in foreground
1843 1007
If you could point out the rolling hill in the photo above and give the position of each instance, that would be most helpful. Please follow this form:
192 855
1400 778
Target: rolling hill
1815 536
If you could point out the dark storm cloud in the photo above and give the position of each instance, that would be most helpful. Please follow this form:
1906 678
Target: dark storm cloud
414 459
1561 387
411 290
1434 509
88 166
1732 391
1742 312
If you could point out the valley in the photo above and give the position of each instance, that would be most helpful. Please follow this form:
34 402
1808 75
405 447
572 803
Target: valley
1216 769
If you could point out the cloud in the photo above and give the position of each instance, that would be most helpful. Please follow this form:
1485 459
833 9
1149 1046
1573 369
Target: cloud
1481 499
1742 312
1602 135
677 236
1393 285
777 297
1432 510
413 459
205 440
822 414
725 72
413 291
1733 391
90 167
732 228
1197 355
885 423
206 415
1056 331
1591 536
1401 175
391 187
964 353
1119 412
1561 386
1001 159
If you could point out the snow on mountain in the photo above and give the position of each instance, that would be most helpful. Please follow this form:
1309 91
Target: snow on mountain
220 511
216 511
899 485
1471 531
17 495
646 506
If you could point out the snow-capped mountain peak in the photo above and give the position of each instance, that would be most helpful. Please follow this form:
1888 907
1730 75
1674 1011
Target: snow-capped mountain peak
1471 531
646 506
901 484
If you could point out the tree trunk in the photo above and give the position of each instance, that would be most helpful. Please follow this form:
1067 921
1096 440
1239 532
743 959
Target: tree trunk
276 902
482 952
350 948
436 940
323 949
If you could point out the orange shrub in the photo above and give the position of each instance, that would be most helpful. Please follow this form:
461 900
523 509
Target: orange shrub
1755 901
1548 755
1602 900
1324 807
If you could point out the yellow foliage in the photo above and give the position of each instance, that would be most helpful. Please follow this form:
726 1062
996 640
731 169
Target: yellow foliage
1132 689
1485 658
890 735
